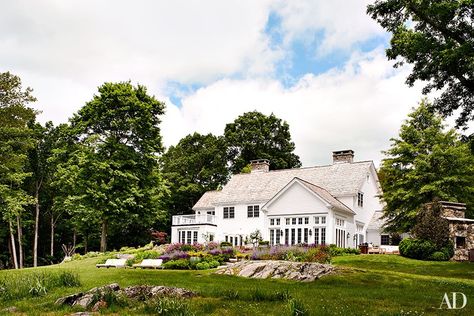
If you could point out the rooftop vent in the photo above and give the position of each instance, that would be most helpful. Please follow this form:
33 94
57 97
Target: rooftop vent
260 165
341 156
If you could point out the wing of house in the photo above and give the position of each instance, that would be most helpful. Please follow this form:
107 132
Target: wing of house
331 204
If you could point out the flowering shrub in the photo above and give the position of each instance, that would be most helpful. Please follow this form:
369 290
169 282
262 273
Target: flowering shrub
312 253
175 255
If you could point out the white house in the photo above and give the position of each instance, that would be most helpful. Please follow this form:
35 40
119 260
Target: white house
331 204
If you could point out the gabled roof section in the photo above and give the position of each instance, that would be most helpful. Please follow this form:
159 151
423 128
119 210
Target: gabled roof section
321 193
326 196
207 200
377 221
337 179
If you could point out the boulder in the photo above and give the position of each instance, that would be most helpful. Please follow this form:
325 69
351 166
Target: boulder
84 301
263 269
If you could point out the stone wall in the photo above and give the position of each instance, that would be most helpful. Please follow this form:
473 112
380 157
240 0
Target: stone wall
462 229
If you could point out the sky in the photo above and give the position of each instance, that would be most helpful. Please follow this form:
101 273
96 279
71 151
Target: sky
319 65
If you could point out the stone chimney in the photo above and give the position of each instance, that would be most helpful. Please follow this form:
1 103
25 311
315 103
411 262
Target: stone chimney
453 209
343 156
260 165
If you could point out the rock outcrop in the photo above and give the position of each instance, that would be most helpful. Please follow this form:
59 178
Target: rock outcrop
95 297
262 269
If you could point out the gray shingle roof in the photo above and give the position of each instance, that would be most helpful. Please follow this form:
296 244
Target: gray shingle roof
338 179
377 221
207 200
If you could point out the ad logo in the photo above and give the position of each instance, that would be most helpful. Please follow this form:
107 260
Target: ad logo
453 304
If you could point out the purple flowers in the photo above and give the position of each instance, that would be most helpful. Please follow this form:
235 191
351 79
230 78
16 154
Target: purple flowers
175 255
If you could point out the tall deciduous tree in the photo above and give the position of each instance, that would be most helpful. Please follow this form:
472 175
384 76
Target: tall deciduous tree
437 37
254 135
118 161
198 163
426 162
15 141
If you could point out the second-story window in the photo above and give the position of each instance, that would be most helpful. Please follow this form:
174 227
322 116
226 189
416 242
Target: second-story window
360 199
229 212
253 211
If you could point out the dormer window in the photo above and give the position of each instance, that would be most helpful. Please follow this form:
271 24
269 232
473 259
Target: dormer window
360 199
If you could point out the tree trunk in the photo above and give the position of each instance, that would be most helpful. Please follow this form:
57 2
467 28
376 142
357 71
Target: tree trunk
52 236
20 239
103 236
74 238
85 244
12 238
35 242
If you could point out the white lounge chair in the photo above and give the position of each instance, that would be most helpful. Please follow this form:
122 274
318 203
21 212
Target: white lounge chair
113 263
149 263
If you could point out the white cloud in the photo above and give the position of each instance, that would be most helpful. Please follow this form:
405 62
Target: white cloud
359 106
342 22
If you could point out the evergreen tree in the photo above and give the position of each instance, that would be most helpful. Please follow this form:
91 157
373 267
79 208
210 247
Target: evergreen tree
426 162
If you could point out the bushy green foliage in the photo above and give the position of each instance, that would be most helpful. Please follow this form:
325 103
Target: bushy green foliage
17 286
202 266
425 162
180 264
438 256
225 244
338 251
416 248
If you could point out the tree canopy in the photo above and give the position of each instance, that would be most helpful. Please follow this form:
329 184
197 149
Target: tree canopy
426 162
198 163
437 37
115 164
254 135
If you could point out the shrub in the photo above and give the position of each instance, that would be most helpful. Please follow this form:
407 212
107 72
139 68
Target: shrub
226 244
202 266
142 255
180 264
213 264
416 248
264 243
317 254
438 256
337 251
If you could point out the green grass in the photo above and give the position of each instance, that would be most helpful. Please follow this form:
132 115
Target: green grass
364 285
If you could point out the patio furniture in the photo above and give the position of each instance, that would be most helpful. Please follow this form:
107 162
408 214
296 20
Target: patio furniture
149 264
113 263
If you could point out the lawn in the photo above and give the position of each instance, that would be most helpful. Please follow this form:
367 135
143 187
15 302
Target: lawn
364 285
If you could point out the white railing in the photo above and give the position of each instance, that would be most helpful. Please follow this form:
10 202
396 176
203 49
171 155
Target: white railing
194 219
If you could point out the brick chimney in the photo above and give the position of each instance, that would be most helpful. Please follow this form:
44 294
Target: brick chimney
260 165
341 156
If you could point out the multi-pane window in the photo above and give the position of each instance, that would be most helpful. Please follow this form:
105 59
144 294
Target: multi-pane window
229 212
211 212
195 237
360 199
253 211
320 220
340 222
293 221
385 240
306 220
320 236
275 236
188 237
287 220
300 220
274 221
305 235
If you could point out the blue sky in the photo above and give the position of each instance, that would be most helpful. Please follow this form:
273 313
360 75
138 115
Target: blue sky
319 65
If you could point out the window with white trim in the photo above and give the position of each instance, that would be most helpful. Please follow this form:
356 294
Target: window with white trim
253 211
320 220
229 212
360 199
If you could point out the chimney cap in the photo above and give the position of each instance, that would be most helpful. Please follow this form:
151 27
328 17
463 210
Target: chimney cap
346 151
260 161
